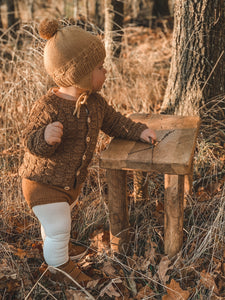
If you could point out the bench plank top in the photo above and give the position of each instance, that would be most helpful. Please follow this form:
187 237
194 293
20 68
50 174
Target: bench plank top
172 155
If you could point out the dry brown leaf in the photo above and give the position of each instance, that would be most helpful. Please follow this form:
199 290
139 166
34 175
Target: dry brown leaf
163 268
92 284
9 283
131 261
143 292
100 239
21 253
175 292
109 269
208 281
150 251
110 289
75 295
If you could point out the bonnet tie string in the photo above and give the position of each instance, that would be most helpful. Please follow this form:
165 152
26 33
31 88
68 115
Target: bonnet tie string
80 101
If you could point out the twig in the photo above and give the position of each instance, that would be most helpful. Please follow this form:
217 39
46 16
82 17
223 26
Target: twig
72 279
142 275
44 288
27 296
212 70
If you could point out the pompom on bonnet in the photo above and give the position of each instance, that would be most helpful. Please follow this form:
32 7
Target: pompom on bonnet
70 54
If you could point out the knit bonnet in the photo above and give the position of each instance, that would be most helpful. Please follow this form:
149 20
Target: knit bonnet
70 54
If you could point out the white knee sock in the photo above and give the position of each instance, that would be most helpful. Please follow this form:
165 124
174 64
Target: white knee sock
43 235
55 219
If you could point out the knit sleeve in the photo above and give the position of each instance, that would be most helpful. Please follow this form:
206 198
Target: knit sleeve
116 125
41 115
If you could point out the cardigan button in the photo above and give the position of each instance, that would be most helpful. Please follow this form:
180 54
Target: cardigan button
89 120
78 173
88 139
84 157
66 188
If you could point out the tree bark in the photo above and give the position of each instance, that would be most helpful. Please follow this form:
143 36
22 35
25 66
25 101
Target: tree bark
108 30
98 14
11 13
75 9
197 72
1 24
118 15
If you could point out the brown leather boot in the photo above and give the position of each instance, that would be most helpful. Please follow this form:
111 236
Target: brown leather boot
73 271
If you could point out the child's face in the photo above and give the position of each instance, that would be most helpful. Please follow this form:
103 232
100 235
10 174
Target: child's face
98 77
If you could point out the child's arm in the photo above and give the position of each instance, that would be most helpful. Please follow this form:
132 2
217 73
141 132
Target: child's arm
38 135
117 125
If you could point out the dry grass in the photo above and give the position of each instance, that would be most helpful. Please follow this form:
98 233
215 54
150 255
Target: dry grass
136 83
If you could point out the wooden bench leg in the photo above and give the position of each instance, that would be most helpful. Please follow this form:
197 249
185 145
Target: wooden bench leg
174 213
118 210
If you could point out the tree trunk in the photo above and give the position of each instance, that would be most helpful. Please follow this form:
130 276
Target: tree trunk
86 11
113 27
30 9
171 7
118 15
197 72
11 13
108 30
161 8
75 9
1 24
98 14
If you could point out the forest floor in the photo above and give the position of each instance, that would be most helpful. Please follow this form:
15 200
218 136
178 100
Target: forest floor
136 83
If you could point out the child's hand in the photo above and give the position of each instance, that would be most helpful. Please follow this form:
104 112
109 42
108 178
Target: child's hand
53 133
148 135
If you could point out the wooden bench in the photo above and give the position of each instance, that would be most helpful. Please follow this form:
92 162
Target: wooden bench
172 156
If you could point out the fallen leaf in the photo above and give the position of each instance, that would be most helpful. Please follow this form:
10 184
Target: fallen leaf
100 239
175 292
75 295
159 206
9 283
202 195
208 281
108 269
21 253
92 284
163 268
110 289
144 292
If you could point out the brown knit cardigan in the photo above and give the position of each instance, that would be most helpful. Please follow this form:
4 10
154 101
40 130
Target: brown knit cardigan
66 163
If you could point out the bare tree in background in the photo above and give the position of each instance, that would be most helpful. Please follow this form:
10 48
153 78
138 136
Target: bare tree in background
108 29
118 16
11 13
1 24
197 72
114 15
99 18
75 9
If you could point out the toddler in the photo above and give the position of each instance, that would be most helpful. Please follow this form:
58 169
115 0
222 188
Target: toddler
62 132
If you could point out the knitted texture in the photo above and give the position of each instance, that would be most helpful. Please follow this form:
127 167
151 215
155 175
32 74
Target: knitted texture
68 161
71 54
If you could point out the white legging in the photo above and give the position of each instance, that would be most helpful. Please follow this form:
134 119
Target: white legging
55 219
